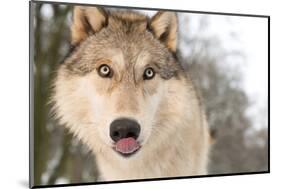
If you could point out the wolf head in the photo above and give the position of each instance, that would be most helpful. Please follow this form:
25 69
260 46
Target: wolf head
122 84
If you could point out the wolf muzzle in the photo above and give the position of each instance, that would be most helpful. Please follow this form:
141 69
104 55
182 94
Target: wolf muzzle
124 132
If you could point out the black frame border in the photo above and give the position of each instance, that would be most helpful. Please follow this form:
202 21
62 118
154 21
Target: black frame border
31 137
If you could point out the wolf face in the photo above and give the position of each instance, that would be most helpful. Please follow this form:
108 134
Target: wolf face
123 93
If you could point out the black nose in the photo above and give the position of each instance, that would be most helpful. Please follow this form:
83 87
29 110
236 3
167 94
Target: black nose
124 128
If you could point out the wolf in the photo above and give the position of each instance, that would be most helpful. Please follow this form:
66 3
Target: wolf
124 93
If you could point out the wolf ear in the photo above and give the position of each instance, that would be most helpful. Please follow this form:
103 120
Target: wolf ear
164 25
86 21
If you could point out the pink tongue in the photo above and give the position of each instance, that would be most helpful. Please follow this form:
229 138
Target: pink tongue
126 145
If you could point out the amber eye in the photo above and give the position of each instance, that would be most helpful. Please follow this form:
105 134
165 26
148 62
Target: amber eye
148 73
104 71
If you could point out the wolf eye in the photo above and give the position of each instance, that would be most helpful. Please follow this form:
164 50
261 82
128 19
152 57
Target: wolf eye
104 71
148 73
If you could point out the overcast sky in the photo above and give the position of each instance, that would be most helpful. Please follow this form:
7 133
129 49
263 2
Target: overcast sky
252 39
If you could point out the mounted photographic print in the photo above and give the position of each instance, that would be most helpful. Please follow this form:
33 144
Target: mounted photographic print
122 94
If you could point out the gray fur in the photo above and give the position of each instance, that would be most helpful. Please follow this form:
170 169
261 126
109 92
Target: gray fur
132 38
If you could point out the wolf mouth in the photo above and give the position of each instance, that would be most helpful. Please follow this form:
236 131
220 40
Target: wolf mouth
127 146
127 155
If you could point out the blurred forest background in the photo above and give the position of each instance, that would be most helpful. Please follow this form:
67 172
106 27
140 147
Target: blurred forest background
239 145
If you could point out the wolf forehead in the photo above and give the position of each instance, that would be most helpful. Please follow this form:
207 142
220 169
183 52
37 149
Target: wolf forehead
99 35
